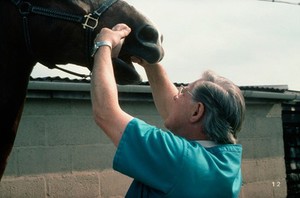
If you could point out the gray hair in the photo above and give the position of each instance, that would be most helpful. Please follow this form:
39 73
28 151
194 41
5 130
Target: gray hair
224 107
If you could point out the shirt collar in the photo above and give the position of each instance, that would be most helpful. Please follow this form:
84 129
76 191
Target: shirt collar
207 143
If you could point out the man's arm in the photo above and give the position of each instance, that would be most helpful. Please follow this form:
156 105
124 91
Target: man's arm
106 109
163 89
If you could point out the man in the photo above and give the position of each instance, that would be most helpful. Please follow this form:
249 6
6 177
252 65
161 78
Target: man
198 157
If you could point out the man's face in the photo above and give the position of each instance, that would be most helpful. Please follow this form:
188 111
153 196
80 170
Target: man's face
181 111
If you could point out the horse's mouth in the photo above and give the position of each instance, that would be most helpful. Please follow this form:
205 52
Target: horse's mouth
124 70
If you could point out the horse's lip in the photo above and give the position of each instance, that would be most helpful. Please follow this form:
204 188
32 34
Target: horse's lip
126 59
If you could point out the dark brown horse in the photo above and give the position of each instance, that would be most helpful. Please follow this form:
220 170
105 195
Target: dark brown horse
59 32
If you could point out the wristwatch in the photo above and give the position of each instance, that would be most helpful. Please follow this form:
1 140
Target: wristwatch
100 44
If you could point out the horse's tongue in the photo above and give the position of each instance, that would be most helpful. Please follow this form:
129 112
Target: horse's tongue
125 73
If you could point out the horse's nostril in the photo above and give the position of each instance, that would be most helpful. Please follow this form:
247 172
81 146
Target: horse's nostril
147 40
148 34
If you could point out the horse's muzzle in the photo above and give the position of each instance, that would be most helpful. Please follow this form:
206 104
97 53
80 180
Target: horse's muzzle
146 43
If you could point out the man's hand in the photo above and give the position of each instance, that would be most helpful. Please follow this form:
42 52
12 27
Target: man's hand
142 62
115 36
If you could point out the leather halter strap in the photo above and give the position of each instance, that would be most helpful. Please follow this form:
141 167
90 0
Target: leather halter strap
89 22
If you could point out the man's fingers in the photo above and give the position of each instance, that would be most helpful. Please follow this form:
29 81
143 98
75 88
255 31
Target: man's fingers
116 36
122 28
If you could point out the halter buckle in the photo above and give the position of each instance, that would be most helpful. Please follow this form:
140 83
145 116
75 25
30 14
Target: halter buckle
90 22
24 8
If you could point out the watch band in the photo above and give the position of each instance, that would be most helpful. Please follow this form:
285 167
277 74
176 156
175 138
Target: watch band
100 44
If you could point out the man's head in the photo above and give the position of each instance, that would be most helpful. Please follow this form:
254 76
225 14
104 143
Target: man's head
224 107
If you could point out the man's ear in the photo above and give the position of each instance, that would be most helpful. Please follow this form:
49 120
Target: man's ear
197 112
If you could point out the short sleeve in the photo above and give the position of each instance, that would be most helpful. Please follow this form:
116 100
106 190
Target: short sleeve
150 155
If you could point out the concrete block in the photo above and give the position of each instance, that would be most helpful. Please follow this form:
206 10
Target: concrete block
93 157
81 107
268 127
34 107
12 164
138 108
279 188
31 160
261 127
258 190
47 107
268 147
74 130
249 171
272 169
261 147
154 120
248 147
76 185
58 159
275 111
31 131
22 187
58 107
249 128
263 189
259 109
114 184
35 160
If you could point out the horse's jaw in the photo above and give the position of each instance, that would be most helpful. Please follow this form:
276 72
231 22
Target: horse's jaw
125 72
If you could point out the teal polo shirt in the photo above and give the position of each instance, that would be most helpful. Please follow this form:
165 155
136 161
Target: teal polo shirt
165 165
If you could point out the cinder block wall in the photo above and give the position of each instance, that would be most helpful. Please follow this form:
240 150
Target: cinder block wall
60 152
263 152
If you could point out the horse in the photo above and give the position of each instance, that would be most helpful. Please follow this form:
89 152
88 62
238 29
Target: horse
60 32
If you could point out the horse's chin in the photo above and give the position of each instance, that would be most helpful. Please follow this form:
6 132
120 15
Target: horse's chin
125 72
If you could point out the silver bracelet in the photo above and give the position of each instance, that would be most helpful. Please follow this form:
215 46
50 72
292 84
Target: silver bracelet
100 44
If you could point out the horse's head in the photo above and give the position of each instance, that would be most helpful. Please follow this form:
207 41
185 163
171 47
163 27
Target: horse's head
56 41
144 41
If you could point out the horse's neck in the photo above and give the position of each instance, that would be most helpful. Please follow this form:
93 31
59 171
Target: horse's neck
88 5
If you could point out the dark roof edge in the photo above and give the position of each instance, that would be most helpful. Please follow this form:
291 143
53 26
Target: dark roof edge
248 92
